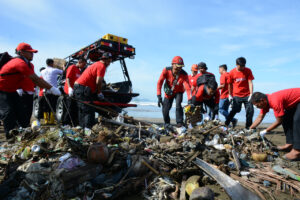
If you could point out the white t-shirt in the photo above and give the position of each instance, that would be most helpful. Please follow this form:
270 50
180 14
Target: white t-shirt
50 75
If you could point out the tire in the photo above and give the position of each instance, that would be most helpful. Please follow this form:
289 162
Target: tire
60 109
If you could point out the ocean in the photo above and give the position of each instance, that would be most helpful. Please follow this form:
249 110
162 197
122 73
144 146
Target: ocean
151 110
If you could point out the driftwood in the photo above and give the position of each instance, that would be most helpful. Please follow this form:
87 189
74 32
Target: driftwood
235 190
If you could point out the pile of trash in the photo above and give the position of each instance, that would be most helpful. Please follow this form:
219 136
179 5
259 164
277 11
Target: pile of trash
119 158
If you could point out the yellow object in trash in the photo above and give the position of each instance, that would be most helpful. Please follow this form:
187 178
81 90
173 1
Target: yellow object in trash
115 38
187 108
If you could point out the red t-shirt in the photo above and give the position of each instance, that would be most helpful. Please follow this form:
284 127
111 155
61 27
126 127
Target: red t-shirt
73 73
239 82
27 84
282 100
181 85
224 79
202 96
41 93
88 77
12 74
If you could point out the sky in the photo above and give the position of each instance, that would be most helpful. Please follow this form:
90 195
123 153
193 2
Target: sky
266 33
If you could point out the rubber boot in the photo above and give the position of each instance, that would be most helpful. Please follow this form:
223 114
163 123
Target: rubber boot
46 118
52 118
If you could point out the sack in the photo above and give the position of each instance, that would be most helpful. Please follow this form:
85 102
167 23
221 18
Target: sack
4 58
168 91
205 78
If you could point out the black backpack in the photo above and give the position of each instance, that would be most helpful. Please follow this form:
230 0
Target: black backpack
4 58
204 78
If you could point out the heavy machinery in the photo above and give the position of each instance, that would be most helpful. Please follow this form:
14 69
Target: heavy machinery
117 95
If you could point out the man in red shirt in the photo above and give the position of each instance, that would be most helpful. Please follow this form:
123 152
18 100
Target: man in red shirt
241 88
12 75
176 83
209 95
286 107
89 85
223 87
73 72
26 93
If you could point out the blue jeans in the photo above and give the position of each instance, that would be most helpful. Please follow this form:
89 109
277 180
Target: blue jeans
223 107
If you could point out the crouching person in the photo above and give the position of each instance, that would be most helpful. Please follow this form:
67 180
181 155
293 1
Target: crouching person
286 107
208 94
87 87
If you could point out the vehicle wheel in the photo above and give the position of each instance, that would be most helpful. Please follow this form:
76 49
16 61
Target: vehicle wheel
60 109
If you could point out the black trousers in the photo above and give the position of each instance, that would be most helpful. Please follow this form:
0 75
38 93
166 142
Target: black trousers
71 106
236 108
167 105
52 100
291 126
86 114
27 101
211 108
11 111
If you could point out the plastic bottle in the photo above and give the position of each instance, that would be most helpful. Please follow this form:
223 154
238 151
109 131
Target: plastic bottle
35 125
25 154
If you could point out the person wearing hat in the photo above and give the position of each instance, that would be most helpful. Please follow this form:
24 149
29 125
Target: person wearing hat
89 85
194 70
176 83
50 74
210 115
12 75
73 72
241 88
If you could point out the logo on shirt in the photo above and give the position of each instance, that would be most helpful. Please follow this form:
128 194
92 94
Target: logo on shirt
240 79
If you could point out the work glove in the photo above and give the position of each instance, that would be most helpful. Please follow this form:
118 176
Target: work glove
20 92
100 96
70 91
55 91
263 133
230 98
160 102
249 98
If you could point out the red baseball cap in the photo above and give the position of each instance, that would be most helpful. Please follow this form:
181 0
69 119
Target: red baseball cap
178 60
25 47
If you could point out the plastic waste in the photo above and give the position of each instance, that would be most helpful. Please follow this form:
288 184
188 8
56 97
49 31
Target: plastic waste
231 165
71 163
87 131
35 125
244 173
214 141
26 153
267 183
65 157
219 146
35 148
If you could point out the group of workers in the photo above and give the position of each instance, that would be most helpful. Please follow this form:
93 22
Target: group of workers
17 88
18 81
236 89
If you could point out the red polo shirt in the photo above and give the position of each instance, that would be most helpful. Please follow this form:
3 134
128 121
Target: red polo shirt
13 73
224 79
239 80
191 82
282 100
202 96
73 73
181 85
88 77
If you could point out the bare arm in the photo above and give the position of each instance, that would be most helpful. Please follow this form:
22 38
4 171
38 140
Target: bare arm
275 124
221 86
99 81
39 81
257 121
250 86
